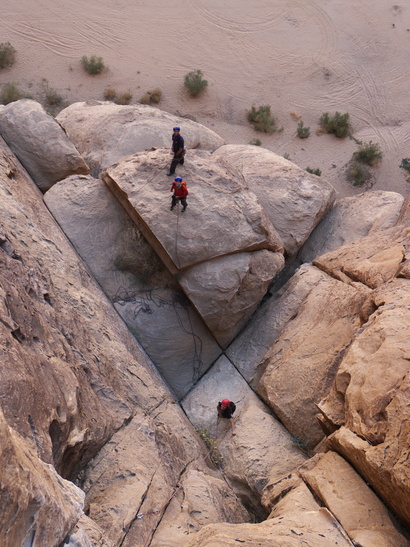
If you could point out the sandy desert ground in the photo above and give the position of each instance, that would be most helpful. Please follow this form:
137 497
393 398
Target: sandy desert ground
299 56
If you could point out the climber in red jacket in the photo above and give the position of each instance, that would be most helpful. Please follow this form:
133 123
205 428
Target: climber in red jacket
180 193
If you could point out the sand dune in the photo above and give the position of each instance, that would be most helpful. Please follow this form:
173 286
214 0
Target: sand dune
298 56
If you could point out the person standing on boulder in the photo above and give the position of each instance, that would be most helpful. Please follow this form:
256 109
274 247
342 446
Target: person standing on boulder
225 410
178 150
180 193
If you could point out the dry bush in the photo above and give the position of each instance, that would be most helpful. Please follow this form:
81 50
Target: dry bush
110 94
124 98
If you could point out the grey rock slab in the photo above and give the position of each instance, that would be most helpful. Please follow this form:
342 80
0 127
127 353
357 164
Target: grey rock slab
350 219
294 200
105 132
227 290
40 143
223 216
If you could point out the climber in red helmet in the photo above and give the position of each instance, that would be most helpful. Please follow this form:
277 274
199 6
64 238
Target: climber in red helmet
225 410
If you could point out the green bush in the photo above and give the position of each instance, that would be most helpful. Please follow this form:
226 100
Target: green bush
303 132
368 153
405 164
194 83
358 174
338 124
256 142
93 65
316 171
214 453
7 55
262 119
124 98
10 93
151 97
110 94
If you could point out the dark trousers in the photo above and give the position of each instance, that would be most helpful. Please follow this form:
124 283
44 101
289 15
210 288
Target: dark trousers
182 200
175 160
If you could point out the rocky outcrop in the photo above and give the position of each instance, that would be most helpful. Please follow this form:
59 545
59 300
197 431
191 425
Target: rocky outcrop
293 199
37 507
141 289
40 143
350 219
105 132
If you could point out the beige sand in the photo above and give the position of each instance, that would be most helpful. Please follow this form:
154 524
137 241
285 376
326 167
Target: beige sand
298 56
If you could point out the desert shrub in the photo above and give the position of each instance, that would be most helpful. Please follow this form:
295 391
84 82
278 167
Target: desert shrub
316 171
152 97
255 142
368 153
405 164
110 94
207 439
338 124
7 55
124 98
92 65
358 174
303 132
10 93
194 82
262 119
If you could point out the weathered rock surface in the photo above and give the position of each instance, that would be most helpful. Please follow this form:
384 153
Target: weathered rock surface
142 290
346 495
40 143
293 199
87 533
301 366
222 218
105 132
37 507
226 291
372 260
370 396
350 219
261 449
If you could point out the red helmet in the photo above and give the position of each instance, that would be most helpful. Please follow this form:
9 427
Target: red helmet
226 402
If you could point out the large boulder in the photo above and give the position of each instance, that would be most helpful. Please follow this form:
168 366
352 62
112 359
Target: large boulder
140 287
260 450
40 143
222 218
350 219
300 367
37 507
104 132
227 290
293 199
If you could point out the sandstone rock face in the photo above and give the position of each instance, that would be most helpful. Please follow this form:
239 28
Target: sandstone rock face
301 365
360 512
37 506
39 143
218 204
350 219
142 290
226 291
105 132
261 448
293 199
87 533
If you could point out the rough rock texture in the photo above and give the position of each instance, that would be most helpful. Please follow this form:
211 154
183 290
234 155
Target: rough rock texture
373 259
260 450
350 219
87 533
40 143
370 396
301 366
105 132
346 495
37 507
223 217
226 291
262 332
293 199
134 279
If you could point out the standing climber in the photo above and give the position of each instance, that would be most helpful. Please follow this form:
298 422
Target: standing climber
178 150
225 410
180 193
